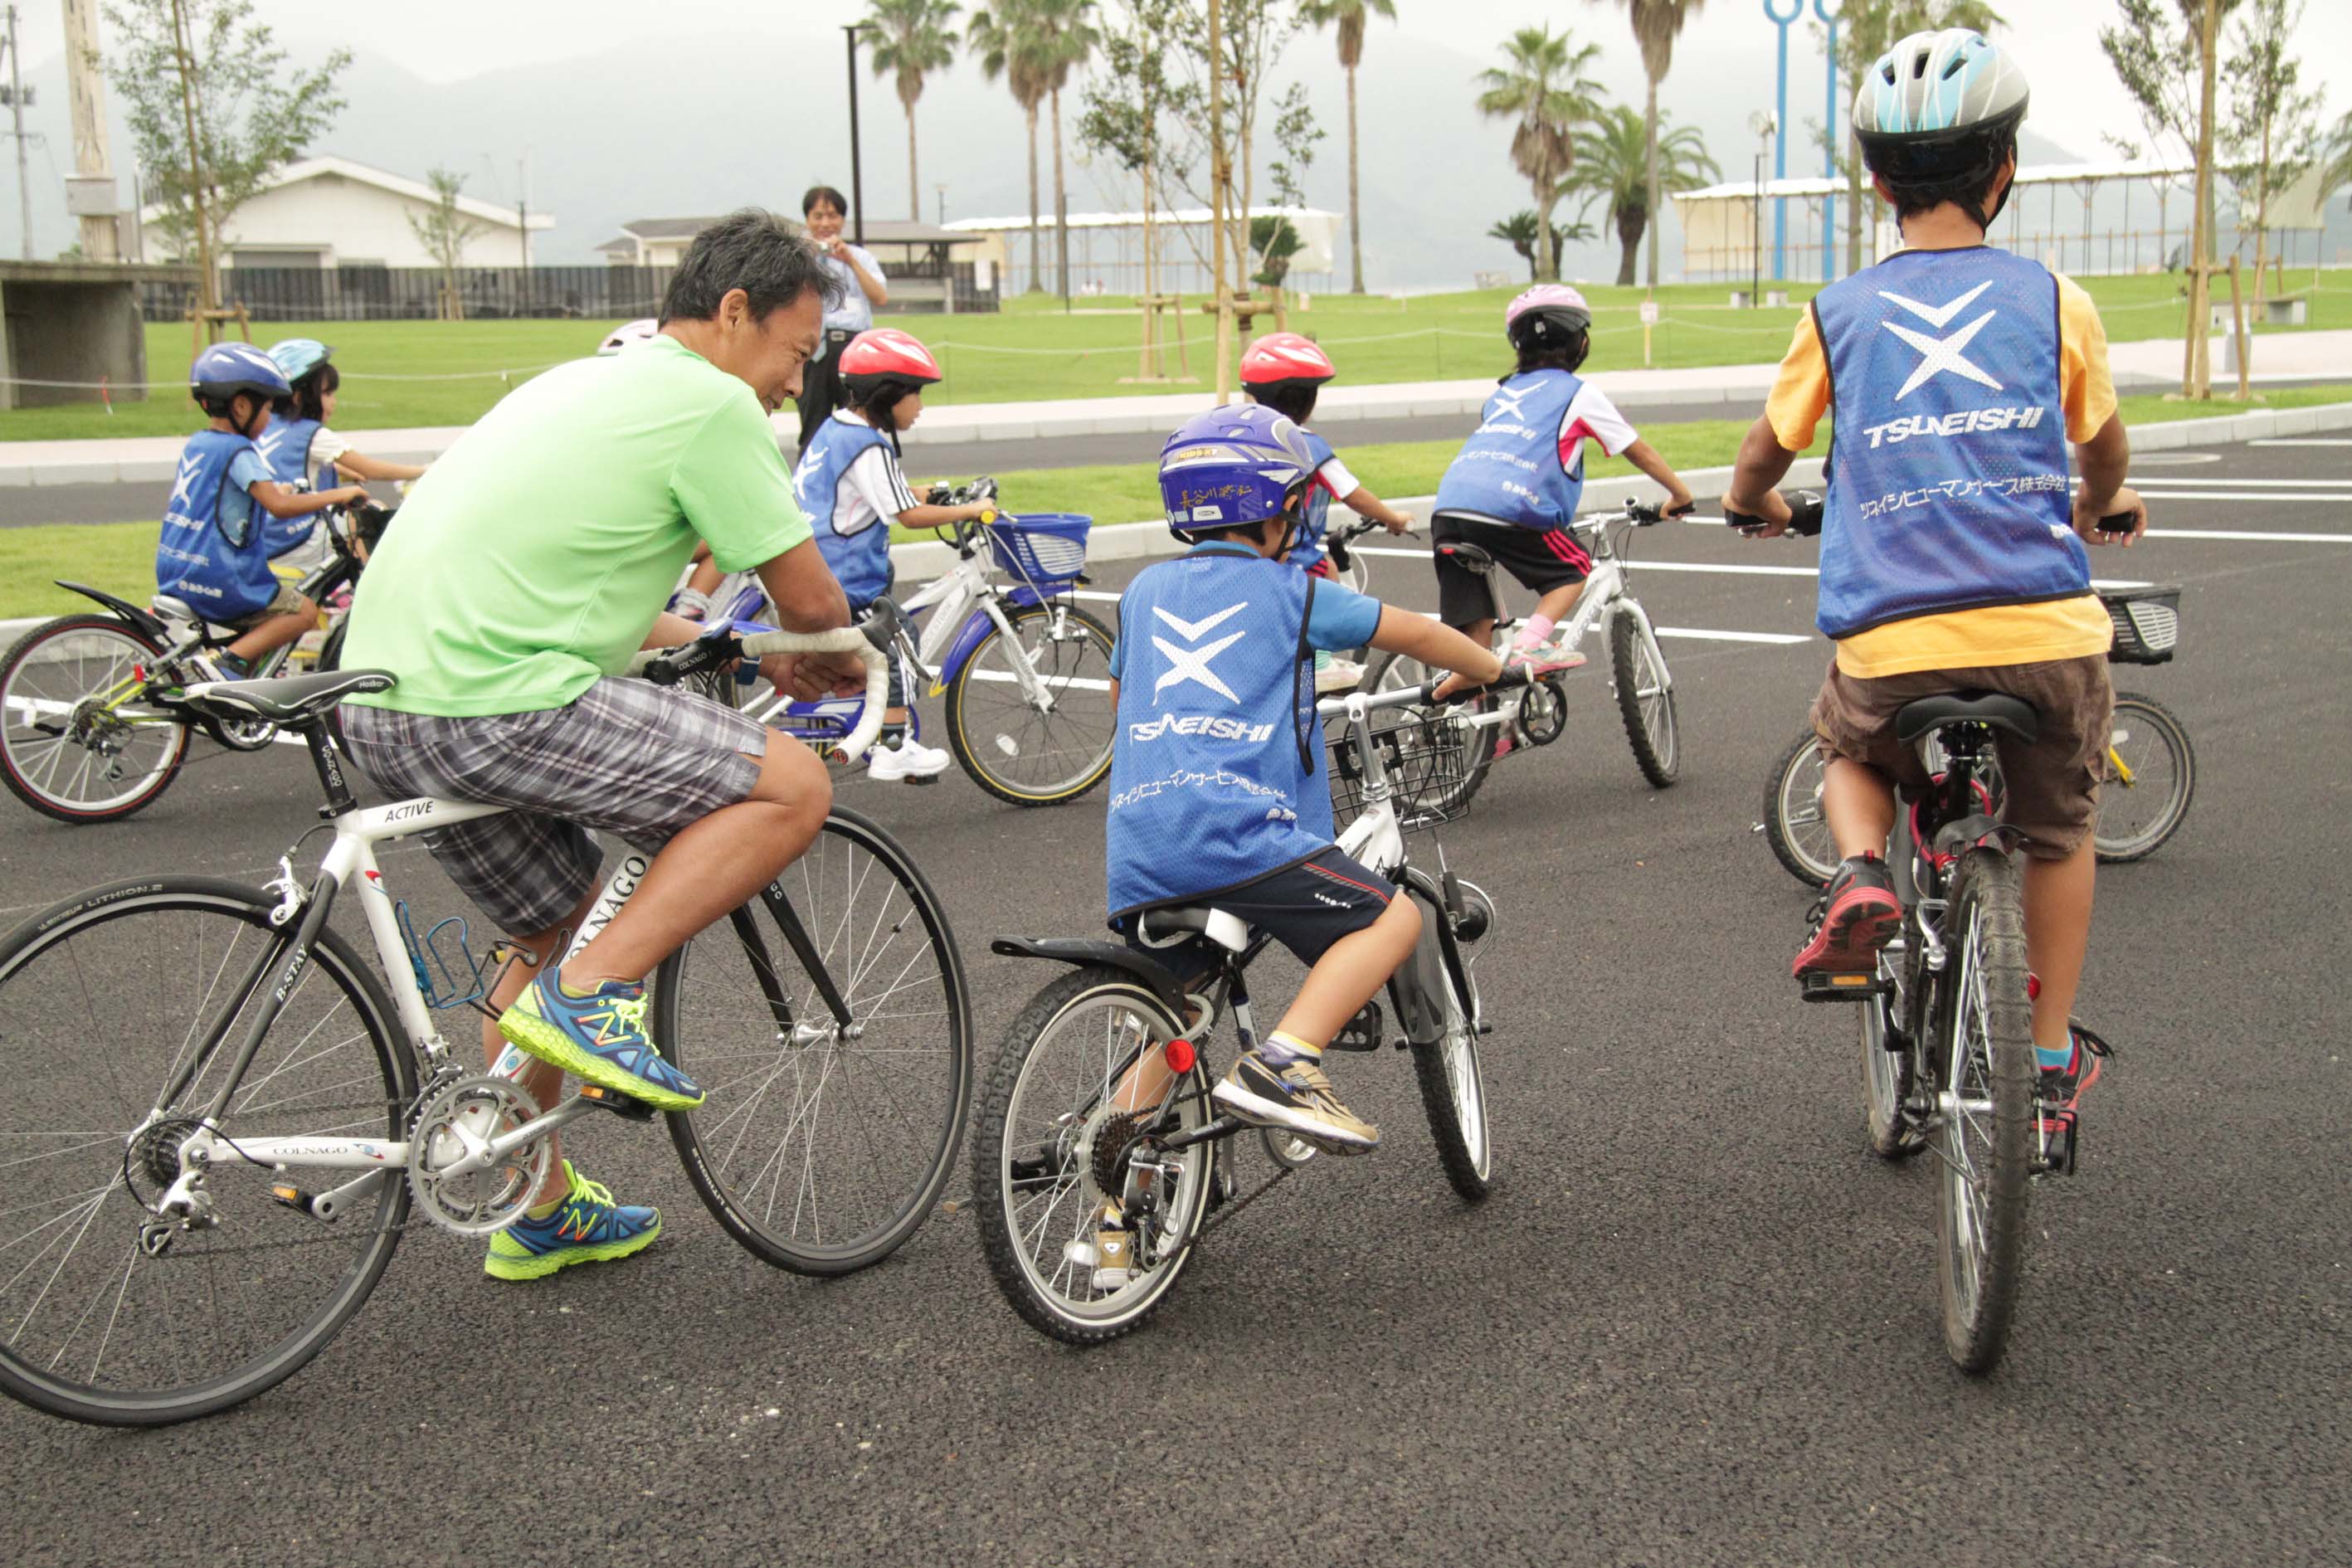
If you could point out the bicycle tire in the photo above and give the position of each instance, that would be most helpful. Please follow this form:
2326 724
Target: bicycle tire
1984 1048
1000 1138
829 889
156 1289
1650 725
971 751
1794 827
2134 711
17 765
1454 1093
1394 670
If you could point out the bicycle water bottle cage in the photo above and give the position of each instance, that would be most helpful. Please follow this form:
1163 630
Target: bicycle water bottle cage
443 983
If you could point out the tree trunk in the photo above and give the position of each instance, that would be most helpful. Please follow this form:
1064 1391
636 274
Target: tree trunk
914 182
1037 251
1220 192
1061 209
1628 245
1649 134
2198 381
182 51
2261 222
1355 203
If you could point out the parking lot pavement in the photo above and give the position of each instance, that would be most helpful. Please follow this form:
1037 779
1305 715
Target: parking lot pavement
1696 1325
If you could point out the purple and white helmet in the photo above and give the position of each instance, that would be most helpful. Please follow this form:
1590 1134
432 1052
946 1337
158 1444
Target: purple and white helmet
1236 465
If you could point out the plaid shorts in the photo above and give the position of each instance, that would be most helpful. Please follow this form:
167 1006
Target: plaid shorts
624 756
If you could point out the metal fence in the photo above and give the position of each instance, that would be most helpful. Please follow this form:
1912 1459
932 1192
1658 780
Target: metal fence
595 293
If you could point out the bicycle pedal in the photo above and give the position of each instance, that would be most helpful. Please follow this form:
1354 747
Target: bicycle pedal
2061 1137
1361 1033
627 1106
1841 987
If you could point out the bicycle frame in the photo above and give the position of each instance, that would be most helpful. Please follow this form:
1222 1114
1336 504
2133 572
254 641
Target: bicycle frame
1606 594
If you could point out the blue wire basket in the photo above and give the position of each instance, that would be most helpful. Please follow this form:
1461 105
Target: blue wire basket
1042 548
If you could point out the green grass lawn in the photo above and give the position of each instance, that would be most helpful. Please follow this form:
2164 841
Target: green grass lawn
120 557
1031 350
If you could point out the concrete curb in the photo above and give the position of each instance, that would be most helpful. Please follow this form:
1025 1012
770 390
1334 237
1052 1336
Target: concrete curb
1131 541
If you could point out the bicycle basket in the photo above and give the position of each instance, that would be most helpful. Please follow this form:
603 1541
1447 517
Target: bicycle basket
1426 753
1042 547
2148 623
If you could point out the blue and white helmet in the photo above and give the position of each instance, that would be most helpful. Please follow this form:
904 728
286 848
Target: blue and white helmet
224 370
1934 90
297 357
1229 466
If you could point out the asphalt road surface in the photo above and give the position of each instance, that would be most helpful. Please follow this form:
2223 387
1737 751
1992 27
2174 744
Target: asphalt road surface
1697 1323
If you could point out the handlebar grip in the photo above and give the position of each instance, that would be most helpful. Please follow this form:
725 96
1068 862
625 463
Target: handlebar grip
2118 522
859 641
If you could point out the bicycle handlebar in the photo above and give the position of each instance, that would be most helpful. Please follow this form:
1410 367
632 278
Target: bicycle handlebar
722 649
1804 516
1426 693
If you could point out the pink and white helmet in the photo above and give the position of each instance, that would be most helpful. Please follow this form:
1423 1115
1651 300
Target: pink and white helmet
627 333
1546 315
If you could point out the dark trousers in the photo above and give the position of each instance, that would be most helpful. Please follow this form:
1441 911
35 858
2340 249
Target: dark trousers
821 384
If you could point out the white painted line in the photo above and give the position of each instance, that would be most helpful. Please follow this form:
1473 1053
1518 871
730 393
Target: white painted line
2303 441
1387 550
2173 492
1781 639
2250 534
1732 571
2179 481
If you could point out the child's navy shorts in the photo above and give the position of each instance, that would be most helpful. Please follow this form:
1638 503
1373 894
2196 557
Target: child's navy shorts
1306 906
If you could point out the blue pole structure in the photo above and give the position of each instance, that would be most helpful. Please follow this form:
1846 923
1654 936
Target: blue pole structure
1829 142
1780 138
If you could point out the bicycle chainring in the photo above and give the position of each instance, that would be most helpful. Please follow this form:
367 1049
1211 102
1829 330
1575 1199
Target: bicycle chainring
452 1126
1543 711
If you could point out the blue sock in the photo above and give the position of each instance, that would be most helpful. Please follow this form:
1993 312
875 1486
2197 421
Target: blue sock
2058 1060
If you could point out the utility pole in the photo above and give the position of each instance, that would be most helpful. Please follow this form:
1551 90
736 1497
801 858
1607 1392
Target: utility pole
17 101
857 174
86 108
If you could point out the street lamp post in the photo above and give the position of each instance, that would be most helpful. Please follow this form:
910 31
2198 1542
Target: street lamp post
1829 138
857 174
1764 125
1779 118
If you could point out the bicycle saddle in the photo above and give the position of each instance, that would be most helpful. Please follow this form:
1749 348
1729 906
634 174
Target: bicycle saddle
172 609
290 699
1915 719
1156 926
1474 556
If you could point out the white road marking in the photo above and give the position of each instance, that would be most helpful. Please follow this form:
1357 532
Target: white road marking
2250 534
2303 441
2173 492
1781 639
2179 481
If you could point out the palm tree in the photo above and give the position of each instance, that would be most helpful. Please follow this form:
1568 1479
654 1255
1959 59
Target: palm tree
1655 25
1348 16
1067 39
1518 232
1620 161
1006 43
912 39
1545 91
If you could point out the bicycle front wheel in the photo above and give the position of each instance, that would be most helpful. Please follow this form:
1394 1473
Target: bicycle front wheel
1071 1125
823 1146
1794 827
1474 744
2150 775
1645 696
108 1314
64 751
1984 1134
1049 748
1453 1092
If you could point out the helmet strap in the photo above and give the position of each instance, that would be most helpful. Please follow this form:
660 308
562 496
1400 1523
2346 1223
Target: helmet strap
245 427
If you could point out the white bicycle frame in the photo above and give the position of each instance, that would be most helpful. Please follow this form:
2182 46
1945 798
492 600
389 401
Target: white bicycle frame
350 863
1604 597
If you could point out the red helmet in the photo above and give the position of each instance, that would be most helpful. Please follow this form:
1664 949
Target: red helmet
885 356
1285 359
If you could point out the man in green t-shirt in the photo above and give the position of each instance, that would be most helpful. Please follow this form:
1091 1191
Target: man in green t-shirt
524 570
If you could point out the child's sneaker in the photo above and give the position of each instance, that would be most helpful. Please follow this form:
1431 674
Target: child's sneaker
909 762
1337 676
1858 914
690 604
1294 1094
587 1226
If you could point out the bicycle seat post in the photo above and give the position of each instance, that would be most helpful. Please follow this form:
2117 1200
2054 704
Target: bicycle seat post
341 802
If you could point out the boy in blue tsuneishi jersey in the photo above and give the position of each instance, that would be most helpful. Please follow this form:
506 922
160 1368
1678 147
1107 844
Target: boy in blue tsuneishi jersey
852 488
214 553
1217 790
1512 488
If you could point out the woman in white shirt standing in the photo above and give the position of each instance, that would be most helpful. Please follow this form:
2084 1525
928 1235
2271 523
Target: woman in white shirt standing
864 291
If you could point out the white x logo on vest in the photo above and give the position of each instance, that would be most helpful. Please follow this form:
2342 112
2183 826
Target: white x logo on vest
1941 355
1506 401
188 468
1192 664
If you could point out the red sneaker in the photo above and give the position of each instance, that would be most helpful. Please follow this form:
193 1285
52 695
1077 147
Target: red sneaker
1858 914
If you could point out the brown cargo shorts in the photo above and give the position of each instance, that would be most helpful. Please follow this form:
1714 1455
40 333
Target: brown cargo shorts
2052 783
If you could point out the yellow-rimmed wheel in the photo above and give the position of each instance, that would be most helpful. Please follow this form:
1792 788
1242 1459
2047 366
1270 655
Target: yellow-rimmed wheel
1029 715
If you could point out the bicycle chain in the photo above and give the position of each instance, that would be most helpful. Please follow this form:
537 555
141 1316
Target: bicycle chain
1233 1209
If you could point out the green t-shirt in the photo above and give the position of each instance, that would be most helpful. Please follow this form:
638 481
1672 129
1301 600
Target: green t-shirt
535 554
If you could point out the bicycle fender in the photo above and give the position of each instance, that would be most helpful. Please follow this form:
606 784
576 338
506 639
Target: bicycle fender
139 619
1417 990
1971 832
976 626
1117 955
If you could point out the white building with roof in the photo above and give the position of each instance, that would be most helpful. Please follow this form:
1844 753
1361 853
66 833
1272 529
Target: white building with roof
1106 247
328 212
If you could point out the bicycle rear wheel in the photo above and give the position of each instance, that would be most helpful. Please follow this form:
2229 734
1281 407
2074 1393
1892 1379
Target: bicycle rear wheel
108 997
62 752
1645 695
1794 827
1064 1118
1984 1139
2150 775
1453 1092
822 1148
1012 749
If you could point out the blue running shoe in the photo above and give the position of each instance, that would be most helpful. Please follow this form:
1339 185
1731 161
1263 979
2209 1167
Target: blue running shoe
600 1037
588 1227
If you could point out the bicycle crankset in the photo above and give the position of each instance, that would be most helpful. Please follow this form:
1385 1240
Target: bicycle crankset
1543 711
462 1184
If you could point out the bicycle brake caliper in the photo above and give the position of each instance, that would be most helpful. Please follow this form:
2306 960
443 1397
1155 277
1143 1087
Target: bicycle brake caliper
289 891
